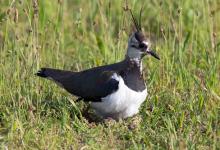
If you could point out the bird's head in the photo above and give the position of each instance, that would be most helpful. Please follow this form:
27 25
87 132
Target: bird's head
138 46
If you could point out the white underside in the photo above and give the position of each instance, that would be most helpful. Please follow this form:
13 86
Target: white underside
121 104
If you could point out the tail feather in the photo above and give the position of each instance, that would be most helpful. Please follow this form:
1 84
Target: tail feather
63 78
41 73
54 74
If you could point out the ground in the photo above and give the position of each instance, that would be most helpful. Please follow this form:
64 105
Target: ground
182 109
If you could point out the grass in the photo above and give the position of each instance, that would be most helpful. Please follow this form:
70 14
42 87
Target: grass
182 110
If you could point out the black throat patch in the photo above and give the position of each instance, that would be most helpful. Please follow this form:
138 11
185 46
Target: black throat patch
133 76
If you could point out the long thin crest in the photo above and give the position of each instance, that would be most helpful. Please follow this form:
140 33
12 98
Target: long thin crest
140 16
135 21
137 26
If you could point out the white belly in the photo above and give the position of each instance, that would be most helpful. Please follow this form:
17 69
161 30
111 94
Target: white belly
121 104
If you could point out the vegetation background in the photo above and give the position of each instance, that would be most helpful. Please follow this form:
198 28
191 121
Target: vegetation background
182 110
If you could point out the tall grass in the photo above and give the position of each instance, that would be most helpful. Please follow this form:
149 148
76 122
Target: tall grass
183 106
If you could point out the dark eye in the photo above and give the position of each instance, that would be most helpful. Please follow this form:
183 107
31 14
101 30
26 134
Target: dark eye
142 45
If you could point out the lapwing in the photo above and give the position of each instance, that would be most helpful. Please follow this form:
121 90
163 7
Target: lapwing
116 90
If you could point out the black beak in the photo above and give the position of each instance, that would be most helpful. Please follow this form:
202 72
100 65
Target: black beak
152 53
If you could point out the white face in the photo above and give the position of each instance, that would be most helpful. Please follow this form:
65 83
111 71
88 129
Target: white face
136 48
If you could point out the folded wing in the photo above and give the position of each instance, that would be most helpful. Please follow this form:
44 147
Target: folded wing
87 85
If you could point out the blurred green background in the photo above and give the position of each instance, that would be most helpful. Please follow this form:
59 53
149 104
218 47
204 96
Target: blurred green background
182 109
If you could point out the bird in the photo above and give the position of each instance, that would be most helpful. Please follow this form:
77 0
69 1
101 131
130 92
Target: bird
116 90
